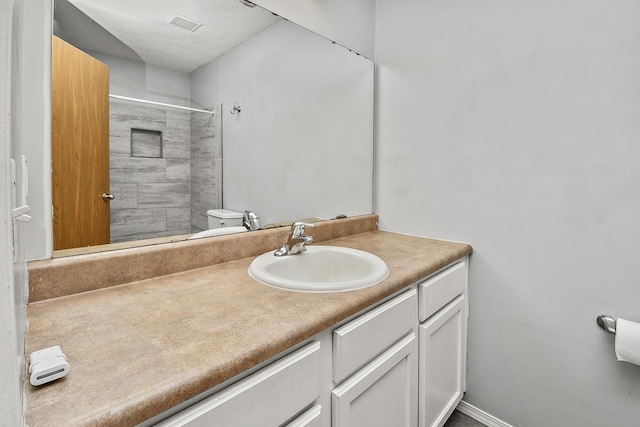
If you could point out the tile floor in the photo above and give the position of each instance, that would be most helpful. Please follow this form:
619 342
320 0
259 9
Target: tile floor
459 419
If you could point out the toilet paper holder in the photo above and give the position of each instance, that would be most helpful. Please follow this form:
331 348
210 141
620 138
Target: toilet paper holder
607 323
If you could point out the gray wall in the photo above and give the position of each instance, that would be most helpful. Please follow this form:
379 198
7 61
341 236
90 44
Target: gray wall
514 126
206 167
152 194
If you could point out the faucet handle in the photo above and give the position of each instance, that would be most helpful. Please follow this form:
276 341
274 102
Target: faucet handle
297 228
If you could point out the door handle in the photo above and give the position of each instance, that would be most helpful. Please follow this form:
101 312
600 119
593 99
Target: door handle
107 197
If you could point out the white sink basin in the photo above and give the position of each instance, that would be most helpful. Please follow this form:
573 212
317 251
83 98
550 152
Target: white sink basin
320 269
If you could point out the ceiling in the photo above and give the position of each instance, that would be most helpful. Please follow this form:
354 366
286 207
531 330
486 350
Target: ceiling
141 30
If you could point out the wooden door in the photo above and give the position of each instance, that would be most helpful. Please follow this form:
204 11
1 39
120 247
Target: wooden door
80 147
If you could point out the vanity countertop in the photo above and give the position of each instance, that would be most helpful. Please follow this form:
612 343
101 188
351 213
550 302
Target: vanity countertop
140 348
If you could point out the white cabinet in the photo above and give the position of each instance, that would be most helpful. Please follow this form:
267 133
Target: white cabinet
368 335
383 368
442 288
268 397
383 393
443 339
310 418
383 345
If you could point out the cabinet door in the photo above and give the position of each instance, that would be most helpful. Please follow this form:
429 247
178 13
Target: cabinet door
442 363
383 393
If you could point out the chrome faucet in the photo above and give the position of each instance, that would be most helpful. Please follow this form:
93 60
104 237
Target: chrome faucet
251 221
296 241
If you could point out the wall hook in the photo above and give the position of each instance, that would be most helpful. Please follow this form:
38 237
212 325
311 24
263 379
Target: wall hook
236 108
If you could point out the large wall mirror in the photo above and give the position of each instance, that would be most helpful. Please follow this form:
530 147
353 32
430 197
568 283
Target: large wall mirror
280 120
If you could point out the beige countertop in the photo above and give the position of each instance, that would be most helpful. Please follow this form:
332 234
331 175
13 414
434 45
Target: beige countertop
140 348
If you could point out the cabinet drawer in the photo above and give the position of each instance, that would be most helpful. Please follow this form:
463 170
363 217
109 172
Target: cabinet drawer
310 418
362 339
437 291
268 397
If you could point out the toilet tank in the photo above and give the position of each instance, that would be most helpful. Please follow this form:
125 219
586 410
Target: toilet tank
219 218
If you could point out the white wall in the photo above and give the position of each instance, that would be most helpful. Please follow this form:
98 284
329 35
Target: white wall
349 23
515 126
35 76
12 277
302 145
145 81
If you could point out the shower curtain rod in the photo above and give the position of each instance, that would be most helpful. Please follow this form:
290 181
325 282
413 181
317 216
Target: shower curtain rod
144 101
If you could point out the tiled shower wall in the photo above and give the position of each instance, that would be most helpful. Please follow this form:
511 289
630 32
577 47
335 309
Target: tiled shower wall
206 167
153 195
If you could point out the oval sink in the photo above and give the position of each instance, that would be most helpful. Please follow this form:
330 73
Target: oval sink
320 269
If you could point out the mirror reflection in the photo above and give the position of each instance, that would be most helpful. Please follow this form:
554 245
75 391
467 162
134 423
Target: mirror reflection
282 125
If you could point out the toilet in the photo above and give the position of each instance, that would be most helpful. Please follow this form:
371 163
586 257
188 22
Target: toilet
222 221
221 218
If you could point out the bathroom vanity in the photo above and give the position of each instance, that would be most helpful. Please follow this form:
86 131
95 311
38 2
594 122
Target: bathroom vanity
209 345
382 355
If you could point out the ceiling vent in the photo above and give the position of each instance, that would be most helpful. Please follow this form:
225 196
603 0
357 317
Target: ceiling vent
185 23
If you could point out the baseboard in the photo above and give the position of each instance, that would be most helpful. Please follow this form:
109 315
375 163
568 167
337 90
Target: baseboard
480 416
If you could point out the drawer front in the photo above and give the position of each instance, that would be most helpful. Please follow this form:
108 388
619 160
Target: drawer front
364 338
268 397
310 418
442 288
